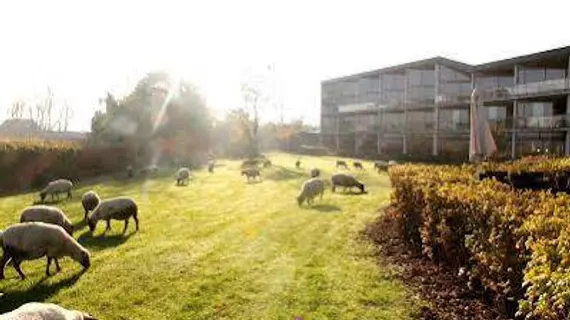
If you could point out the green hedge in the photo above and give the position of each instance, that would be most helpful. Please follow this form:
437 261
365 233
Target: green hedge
514 244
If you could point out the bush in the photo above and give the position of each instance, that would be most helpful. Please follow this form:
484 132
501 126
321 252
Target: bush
515 244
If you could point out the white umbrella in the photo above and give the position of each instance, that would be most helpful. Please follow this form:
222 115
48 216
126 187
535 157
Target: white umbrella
481 142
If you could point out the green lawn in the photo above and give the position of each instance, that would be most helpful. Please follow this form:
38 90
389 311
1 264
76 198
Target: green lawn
223 249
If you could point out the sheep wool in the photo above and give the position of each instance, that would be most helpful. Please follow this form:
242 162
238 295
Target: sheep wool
251 173
33 240
183 176
56 187
45 311
121 208
310 190
346 181
47 214
90 201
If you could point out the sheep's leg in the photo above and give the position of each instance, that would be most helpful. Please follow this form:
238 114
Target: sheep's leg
108 225
69 195
333 187
126 225
16 265
47 266
86 214
3 262
57 267
136 218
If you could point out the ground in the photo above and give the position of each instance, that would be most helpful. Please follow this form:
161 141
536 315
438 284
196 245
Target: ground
221 248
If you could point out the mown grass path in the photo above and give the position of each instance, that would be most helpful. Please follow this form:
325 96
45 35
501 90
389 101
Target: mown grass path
223 249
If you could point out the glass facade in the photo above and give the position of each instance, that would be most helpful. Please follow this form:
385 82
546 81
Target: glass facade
421 87
531 75
454 86
421 121
454 119
392 90
394 122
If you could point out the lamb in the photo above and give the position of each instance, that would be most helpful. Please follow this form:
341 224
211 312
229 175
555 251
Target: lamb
183 176
346 181
315 172
33 240
90 201
120 208
310 190
357 165
45 311
55 188
251 173
341 163
47 214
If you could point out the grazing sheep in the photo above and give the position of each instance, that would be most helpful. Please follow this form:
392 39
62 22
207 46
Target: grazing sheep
211 165
341 164
55 188
47 214
380 166
90 201
45 311
357 165
346 181
251 173
183 176
130 171
267 163
120 208
315 172
33 240
310 190
298 164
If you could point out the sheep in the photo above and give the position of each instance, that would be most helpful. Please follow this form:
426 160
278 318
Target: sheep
90 201
47 214
267 163
380 166
346 181
341 163
55 188
45 311
251 173
183 176
357 165
120 208
130 171
315 172
298 164
33 240
310 190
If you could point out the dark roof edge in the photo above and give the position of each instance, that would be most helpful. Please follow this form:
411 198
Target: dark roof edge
523 58
444 61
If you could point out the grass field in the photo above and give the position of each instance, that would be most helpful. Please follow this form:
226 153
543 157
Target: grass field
223 249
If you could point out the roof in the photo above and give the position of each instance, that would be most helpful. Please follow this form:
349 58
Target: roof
414 64
556 55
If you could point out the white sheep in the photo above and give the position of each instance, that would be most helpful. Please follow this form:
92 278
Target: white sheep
55 188
47 214
310 190
120 208
183 175
90 201
45 311
346 181
33 240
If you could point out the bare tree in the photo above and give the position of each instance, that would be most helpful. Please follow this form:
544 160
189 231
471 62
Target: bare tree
252 98
17 110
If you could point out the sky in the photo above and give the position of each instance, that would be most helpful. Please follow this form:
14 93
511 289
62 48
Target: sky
82 49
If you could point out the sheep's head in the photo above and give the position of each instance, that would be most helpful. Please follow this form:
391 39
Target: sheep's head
300 200
85 260
92 224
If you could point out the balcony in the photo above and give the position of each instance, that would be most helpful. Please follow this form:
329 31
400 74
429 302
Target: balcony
451 126
549 122
549 87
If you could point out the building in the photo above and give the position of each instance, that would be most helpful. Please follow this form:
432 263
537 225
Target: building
28 129
422 108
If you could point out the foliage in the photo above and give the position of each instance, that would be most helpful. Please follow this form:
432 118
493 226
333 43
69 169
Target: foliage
514 243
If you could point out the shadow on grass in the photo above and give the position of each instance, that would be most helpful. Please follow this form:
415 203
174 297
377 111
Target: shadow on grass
325 208
279 173
50 202
352 192
102 241
39 292
79 225
256 181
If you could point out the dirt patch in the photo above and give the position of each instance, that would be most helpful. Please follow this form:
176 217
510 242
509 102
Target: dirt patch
444 290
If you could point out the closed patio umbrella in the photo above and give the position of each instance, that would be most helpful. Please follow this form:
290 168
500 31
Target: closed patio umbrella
481 143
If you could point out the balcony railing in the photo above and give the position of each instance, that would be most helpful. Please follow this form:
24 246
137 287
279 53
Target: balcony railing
549 122
528 89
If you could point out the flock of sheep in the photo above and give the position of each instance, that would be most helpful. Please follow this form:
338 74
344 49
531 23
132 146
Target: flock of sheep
45 231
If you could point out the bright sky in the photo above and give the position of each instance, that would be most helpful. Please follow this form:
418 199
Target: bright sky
84 48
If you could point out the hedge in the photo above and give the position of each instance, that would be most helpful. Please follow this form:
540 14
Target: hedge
514 244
